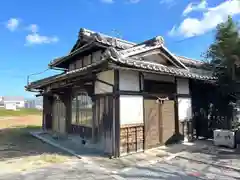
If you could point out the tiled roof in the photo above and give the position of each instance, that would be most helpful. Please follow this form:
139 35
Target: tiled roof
112 53
124 58
105 39
193 62
91 36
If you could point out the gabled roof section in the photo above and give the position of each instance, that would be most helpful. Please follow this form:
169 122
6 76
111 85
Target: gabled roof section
88 38
86 35
117 57
156 43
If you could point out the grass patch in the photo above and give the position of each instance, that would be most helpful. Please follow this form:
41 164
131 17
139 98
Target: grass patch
53 158
21 151
19 112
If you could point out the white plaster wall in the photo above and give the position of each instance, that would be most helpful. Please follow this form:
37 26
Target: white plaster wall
128 80
107 76
184 109
157 77
182 86
131 109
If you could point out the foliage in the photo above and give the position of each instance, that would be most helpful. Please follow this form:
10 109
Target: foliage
224 55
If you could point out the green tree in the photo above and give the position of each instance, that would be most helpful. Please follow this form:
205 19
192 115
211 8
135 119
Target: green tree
224 55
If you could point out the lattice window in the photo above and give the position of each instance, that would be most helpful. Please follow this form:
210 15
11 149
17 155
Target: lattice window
82 109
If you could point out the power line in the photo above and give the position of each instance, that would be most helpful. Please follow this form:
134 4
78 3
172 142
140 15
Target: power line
36 74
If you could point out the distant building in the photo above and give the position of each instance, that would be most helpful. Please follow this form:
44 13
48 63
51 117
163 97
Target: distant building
34 103
12 101
30 104
10 106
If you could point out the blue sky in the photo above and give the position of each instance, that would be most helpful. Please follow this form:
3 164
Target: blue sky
32 34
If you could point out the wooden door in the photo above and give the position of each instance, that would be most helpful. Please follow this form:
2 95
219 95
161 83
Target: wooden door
152 126
62 117
55 116
159 122
59 116
167 121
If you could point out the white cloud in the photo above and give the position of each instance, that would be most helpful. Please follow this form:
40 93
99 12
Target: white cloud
33 28
172 31
107 1
210 19
195 7
36 38
169 3
12 24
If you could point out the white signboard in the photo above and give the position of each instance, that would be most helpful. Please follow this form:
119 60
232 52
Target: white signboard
184 109
224 138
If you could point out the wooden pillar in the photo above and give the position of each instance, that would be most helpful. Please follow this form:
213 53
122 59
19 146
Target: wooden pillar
66 98
68 104
47 113
44 113
177 128
116 117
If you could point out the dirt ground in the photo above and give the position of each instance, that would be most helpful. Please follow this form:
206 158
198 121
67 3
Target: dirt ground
19 151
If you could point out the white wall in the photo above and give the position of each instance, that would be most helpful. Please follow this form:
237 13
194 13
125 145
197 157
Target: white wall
184 109
129 80
183 86
107 76
184 104
131 109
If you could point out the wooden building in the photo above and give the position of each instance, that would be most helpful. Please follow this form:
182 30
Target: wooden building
121 96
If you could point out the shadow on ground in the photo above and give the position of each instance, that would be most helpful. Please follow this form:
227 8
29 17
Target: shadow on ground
203 151
16 142
161 171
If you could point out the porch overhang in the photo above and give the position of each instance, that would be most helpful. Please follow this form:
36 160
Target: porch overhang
69 78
